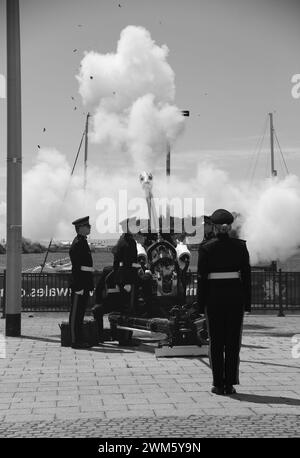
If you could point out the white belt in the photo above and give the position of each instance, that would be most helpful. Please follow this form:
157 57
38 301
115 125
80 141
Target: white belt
134 264
223 275
87 269
113 290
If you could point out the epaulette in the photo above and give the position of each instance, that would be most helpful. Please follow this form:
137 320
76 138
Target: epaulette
239 240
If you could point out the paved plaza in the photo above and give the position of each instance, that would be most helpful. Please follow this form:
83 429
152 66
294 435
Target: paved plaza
108 391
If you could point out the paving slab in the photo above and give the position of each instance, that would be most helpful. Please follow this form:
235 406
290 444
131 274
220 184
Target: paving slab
51 391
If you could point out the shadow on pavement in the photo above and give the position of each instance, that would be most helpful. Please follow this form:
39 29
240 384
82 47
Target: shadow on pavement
281 334
256 326
42 339
266 363
262 399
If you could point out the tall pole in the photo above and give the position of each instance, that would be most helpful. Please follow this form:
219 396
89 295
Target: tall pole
273 171
168 169
168 162
86 144
168 158
14 173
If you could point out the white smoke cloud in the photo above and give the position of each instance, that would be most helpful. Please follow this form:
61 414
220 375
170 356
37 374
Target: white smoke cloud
52 199
270 212
131 94
272 220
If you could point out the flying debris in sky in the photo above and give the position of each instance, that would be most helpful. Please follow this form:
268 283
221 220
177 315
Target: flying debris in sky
79 25
44 130
75 108
91 77
72 97
120 6
74 50
39 146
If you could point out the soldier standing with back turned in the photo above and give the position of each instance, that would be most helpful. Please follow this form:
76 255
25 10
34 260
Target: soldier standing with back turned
82 280
224 293
125 263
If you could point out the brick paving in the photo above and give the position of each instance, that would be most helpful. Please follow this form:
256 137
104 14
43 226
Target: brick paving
150 427
50 391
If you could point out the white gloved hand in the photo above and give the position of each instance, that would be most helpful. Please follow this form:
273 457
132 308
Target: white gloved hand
80 293
127 288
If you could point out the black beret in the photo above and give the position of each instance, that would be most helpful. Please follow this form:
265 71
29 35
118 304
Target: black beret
130 223
82 221
221 216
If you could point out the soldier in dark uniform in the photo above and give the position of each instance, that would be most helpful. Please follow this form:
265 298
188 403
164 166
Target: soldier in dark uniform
115 290
82 280
224 293
125 263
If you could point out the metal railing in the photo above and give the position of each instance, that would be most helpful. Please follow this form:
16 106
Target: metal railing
51 291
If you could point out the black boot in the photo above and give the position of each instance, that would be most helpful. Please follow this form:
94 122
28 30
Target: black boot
217 390
229 389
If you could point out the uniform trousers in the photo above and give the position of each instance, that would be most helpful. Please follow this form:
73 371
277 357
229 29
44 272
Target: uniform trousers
224 322
78 307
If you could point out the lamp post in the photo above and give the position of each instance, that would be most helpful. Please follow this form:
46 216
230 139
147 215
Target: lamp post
14 173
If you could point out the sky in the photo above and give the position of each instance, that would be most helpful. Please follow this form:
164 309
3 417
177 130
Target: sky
233 61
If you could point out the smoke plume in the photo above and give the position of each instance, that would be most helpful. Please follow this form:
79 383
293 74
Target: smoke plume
131 94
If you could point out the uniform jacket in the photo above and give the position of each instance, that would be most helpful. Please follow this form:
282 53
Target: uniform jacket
224 254
80 255
105 280
125 252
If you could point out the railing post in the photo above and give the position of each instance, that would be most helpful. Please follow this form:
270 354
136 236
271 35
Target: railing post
4 294
274 288
280 311
286 291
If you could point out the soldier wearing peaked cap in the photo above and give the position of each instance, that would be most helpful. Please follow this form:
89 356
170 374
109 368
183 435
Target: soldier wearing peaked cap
224 293
82 280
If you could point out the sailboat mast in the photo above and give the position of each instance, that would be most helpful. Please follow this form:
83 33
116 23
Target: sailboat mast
86 150
273 171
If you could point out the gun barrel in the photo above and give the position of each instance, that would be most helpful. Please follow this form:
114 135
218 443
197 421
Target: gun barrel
150 324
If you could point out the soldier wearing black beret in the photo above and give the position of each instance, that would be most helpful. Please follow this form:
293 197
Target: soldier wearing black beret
126 263
224 293
82 280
